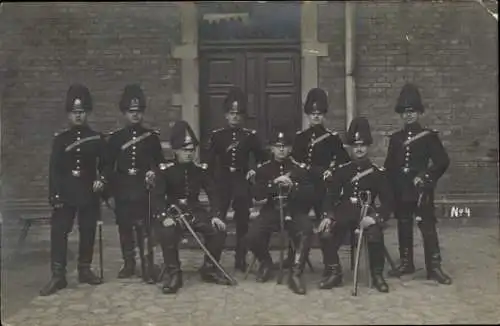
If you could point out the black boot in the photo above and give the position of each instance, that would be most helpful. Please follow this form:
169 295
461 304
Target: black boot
172 281
332 277
437 274
377 261
209 273
432 254
296 280
57 282
85 275
406 265
265 272
128 268
434 271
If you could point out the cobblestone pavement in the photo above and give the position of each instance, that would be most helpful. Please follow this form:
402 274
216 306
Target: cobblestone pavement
471 256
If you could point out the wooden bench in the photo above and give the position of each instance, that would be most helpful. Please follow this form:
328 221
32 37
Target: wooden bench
28 212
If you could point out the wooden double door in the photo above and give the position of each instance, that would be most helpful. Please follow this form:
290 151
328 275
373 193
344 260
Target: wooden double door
270 78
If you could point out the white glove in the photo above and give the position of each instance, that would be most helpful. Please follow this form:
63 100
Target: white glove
150 178
168 222
284 180
98 186
218 223
325 225
367 221
418 181
327 174
250 174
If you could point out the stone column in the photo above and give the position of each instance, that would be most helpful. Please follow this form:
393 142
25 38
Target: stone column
187 52
311 48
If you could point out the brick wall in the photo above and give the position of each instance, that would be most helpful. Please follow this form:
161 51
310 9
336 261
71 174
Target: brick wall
452 57
46 47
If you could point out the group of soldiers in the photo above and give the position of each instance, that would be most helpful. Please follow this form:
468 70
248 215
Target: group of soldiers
308 170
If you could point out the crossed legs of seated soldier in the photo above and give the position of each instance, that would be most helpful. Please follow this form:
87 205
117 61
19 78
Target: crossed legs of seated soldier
61 225
169 239
404 215
330 245
300 230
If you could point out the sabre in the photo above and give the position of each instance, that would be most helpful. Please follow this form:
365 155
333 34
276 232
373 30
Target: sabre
418 218
365 205
101 255
282 234
182 217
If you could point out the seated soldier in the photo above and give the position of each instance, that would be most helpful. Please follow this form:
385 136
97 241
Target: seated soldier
342 208
179 184
281 172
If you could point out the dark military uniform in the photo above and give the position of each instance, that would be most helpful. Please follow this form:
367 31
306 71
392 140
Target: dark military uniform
410 152
318 148
78 157
343 206
298 224
180 184
229 152
133 150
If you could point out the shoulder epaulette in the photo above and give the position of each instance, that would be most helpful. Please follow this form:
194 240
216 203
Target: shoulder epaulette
345 164
299 132
217 130
252 131
164 166
262 164
156 132
331 132
111 133
202 166
380 168
394 132
57 133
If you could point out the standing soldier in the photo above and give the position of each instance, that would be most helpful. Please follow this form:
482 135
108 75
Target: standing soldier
343 208
180 183
318 149
282 172
77 159
413 181
228 160
135 154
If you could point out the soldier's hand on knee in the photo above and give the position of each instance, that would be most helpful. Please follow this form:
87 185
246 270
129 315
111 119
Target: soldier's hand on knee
367 221
418 182
218 223
98 186
325 225
168 222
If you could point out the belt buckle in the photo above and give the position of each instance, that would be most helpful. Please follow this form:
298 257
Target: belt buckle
406 170
231 169
132 171
354 200
75 173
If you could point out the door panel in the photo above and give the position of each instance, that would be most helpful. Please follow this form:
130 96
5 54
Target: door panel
271 80
218 73
280 92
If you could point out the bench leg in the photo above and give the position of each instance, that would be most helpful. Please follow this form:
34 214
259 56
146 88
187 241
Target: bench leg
24 234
